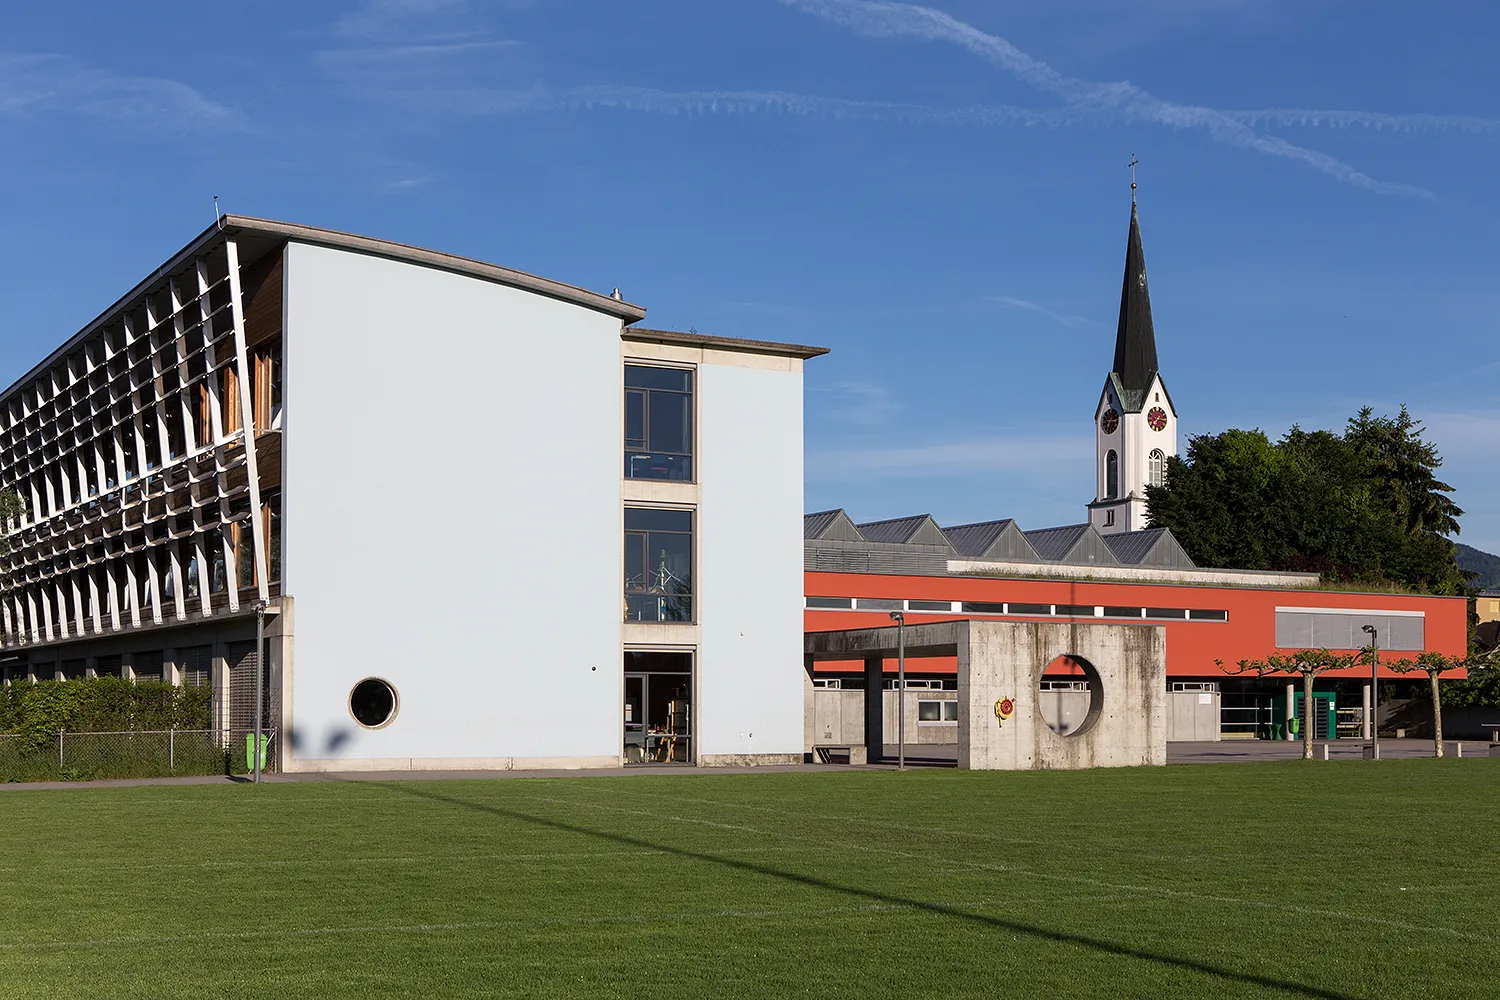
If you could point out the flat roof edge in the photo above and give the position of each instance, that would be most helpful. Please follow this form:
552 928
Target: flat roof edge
1133 574
643 335
626 311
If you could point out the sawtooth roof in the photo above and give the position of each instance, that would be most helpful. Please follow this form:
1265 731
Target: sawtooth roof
833 535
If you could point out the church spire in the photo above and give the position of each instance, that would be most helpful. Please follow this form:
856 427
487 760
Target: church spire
1135 341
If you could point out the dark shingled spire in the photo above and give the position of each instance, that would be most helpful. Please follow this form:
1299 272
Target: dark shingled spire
1135 343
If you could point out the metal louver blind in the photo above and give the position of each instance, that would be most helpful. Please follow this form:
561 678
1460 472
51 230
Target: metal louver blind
242 665
148 665
196 664
1344 630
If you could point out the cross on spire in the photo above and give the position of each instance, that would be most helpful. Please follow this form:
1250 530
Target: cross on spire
1133 162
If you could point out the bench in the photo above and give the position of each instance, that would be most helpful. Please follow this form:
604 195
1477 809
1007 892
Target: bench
823 752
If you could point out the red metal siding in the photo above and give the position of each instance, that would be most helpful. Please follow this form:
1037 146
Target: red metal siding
1250 632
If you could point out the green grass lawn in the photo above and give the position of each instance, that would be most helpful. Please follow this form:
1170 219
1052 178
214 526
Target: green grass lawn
1285 879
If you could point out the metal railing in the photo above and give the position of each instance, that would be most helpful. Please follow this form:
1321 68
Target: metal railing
66 756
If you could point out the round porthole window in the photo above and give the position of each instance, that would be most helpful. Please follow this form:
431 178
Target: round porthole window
373 703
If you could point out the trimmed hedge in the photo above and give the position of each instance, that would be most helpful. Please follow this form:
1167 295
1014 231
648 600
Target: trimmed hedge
100 705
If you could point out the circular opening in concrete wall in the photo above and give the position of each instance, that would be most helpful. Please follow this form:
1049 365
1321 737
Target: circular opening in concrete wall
1070 695
373 703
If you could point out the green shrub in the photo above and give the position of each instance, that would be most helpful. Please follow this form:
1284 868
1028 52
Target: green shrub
36 712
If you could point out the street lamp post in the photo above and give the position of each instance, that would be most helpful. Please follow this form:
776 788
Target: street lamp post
1374 690
900 620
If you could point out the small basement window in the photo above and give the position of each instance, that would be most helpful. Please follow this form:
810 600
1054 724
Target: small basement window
983 608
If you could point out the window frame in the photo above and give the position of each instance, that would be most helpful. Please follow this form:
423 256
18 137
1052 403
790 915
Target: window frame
690 456
1156 467
645 588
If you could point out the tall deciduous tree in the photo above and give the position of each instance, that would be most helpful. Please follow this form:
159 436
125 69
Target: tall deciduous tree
1364 506
1434 665
1307 662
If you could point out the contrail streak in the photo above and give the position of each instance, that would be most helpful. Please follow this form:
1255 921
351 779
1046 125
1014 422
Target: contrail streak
1373 120
887 18
740 102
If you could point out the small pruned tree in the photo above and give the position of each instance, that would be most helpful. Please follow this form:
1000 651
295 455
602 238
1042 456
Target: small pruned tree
1307 662
1434 665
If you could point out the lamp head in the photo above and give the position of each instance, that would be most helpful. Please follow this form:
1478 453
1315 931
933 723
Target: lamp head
1368 628
897 616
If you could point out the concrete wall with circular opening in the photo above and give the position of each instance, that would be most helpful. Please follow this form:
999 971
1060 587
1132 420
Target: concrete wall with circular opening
1125 724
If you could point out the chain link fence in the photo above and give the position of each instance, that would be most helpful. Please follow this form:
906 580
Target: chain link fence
68 756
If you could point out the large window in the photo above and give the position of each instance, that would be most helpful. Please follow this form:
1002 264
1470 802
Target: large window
658 423
658 565
1111 476
1158 467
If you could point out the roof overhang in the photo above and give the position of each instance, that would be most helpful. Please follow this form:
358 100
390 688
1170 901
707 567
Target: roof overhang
642 335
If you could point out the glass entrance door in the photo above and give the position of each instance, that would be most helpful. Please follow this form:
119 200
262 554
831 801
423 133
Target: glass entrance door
658 707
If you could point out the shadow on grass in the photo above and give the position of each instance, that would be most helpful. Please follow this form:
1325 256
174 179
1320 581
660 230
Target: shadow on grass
889 899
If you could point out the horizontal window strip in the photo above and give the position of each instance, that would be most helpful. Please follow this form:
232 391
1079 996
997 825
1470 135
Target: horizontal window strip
1014 609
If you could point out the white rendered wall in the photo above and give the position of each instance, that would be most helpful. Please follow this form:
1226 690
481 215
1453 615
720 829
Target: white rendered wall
750 673
451 513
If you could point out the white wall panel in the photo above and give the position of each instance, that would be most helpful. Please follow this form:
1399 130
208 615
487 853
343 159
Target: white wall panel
750 561
452 514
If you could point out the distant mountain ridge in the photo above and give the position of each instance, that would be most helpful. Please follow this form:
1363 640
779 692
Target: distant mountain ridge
1475 561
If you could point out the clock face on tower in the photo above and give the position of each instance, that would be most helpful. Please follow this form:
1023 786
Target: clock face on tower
1109 421
1157 418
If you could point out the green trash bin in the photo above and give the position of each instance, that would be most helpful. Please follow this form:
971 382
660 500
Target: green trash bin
265 741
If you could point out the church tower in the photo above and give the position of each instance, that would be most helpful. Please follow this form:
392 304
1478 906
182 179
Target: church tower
1135 424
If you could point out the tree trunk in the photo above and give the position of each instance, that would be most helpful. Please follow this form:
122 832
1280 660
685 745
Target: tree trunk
1437 716
1307 703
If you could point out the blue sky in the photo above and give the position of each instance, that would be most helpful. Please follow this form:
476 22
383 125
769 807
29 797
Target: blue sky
940 194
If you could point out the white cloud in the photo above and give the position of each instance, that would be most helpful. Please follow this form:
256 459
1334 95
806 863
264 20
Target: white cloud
1043 456
1122 100
379 17
38 83
861 403
1071 322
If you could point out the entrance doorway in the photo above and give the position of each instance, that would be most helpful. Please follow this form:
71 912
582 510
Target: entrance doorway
658 707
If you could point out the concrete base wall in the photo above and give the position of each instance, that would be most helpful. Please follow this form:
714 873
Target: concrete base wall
748 759
448 764
1126 724
1192 716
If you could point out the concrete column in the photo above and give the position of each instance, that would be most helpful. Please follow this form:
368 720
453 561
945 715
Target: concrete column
809 722
1291 708
91 666
875 708
127 666
280 642
219 679
1365 724
169 669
